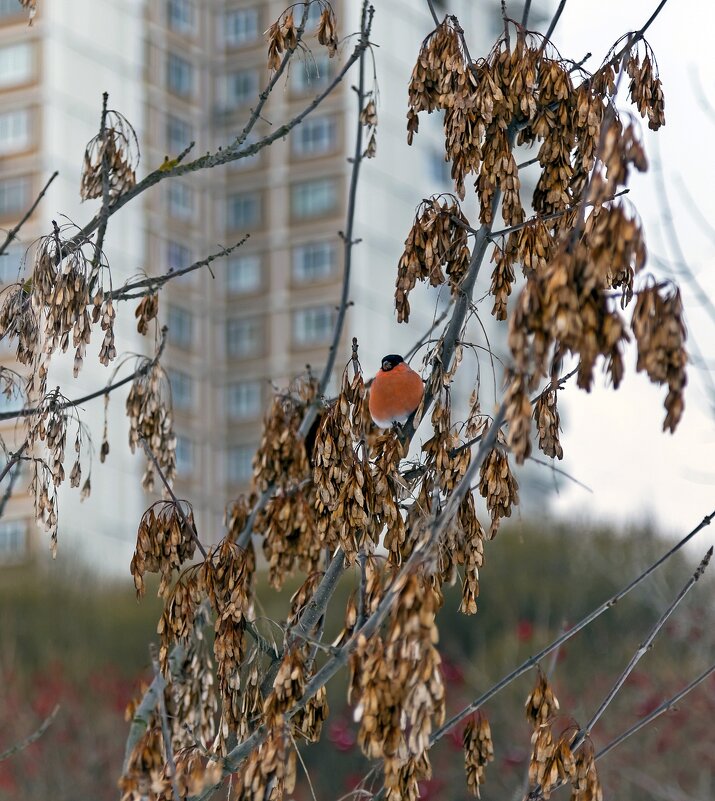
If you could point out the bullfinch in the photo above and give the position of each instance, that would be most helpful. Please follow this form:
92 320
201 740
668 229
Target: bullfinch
395 393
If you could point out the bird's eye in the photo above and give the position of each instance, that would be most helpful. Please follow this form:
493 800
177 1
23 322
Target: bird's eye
386 366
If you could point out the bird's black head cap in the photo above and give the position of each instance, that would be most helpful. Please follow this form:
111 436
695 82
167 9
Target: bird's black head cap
390 361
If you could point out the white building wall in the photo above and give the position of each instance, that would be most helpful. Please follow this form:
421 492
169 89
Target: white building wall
96 45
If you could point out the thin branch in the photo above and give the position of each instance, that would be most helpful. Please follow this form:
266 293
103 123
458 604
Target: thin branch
12 233
177 503
14 459
560 472
552 25
559 641
643 648
546 217
105 185
443 360
146 366
154 283
223 156
433 12
348 241
143 713
265 94
558 384
525 15
311 412
8 490
581 736
46 723
166 736
666 706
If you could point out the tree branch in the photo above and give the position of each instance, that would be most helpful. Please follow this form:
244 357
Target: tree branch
46 723
656 713
559 641
12 233
223 156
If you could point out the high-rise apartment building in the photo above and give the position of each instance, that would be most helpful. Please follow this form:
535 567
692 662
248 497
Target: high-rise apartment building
191 70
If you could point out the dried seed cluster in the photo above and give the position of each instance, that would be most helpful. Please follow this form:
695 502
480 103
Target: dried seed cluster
398 689
147 310
110 159
151 420
478 751
498 486
435 241
284 35
659 331
645 88
164 543
62 280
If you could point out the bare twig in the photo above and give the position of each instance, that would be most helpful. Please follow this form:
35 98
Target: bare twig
525 15
224 155
102 230
656 713
12 233
145 367
166 736
643 649
552 25
581 736
348 241
150 700
559 641
433 12
154 283
46 723
14 459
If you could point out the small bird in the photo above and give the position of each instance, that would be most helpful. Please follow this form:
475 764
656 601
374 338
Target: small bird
395 393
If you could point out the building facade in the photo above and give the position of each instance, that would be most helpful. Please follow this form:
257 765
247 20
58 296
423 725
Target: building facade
191 70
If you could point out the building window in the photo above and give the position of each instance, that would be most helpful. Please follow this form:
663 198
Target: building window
314 136
312 75
180 200
181 327
178 256
313 198
244 210
240 26
179 75
313 326
10 8
314 11
13 539
14 131
239 465
243 400
184 456
14 195
313 262
179 134
15 64
237 89
243 274
243 337
180 14
11 264
182 389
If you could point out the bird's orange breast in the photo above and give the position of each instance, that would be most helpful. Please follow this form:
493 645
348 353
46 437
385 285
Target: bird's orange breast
394 395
